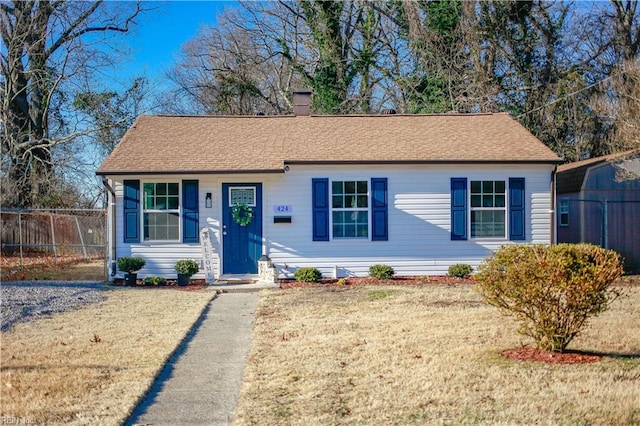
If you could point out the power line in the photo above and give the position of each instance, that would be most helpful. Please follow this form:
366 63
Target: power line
568 95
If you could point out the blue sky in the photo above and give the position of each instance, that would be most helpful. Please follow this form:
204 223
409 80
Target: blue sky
155 42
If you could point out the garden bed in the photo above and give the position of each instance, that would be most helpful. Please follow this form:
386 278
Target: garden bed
195 284
399 280
539 355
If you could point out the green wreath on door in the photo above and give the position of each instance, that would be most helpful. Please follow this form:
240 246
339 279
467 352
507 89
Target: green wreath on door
242 214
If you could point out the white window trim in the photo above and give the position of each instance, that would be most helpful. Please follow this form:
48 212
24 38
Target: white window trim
505 209
563 208
350 209
178 211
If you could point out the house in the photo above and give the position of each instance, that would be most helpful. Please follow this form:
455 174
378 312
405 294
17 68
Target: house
596 206
340 193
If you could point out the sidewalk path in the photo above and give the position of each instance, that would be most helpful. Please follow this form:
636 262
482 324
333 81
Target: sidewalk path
200 383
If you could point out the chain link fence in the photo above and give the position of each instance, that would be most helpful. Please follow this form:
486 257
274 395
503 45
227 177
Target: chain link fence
61 235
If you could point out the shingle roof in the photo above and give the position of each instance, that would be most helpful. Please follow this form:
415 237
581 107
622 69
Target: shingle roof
215 144
570 176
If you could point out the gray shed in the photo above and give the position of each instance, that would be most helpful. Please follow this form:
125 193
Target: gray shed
599 203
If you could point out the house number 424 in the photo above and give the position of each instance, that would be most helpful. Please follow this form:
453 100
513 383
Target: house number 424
282 208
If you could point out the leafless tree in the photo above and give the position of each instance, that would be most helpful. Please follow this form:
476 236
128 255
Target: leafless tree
234 68
255 56
48 44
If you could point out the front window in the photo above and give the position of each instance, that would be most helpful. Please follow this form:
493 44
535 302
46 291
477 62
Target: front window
161 211
488 209
350 209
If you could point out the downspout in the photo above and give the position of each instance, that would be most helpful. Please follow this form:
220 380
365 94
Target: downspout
111 223
552 212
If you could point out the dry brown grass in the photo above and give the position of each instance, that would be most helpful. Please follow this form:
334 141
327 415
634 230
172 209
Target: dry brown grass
48 268
90 366
416 355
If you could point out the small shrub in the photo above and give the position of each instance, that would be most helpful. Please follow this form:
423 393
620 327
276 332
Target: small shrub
460 270
154 281
130 264
381 272
551 290
307 275
187 267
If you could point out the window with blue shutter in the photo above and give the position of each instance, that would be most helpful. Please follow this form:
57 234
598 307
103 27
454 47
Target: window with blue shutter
161 211
516 209
459 211
190 212
379 210
131 204
488 209
320 208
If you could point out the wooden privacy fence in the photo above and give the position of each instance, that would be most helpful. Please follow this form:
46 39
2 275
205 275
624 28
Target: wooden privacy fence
61 233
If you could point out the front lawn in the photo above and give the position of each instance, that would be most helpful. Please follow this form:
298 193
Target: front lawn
427 354
91 365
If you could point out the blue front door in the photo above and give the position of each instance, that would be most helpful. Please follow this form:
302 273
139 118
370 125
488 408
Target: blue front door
241 245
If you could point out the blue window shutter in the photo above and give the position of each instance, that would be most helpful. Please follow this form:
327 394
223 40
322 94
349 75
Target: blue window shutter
131 203
379 210
459 212
516 209
190 212
320 195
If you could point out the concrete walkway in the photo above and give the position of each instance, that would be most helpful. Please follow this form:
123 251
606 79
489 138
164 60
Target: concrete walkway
201 382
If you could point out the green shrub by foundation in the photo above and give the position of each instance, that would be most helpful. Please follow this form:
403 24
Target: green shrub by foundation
381 272
307 275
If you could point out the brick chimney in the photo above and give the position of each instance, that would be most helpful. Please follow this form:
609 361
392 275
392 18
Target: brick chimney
302 102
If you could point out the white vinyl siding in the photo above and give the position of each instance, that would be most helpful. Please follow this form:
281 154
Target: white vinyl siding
419 220
161 256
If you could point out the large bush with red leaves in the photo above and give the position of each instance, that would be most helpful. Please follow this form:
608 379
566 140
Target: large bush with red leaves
551 290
